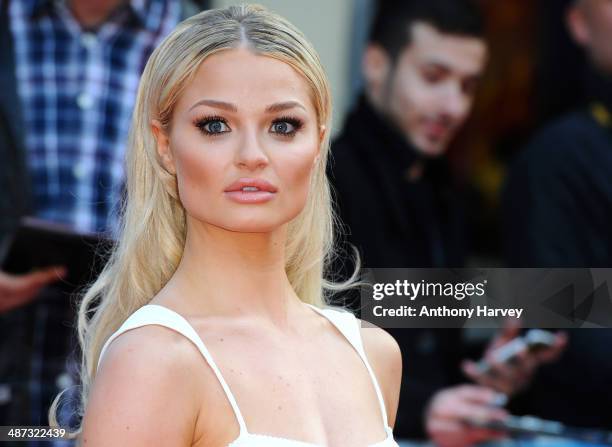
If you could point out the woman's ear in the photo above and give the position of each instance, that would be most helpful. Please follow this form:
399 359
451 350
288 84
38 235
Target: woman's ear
163 146
322 130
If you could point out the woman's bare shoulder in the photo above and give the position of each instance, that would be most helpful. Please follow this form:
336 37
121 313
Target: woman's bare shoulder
385 358
145 392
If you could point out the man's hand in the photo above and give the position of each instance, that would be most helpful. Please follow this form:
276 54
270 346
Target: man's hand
449 409
510 377
18 290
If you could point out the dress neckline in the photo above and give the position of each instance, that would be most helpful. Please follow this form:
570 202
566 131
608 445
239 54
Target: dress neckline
244 432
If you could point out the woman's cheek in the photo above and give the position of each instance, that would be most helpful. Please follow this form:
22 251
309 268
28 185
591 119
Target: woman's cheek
195 174
296 173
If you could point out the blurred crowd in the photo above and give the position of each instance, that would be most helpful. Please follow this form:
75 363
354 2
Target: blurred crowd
400 171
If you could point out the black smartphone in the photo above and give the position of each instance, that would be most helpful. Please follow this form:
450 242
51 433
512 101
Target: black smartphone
38 244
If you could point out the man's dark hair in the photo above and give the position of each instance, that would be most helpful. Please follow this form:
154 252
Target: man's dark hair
393 20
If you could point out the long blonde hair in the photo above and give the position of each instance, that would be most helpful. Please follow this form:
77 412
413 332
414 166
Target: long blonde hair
153 220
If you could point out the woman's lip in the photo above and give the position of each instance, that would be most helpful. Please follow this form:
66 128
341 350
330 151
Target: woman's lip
250 196
259 183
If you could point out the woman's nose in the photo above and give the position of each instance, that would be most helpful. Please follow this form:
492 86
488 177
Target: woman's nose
250 154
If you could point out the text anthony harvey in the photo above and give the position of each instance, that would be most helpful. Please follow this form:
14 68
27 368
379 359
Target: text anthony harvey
444 311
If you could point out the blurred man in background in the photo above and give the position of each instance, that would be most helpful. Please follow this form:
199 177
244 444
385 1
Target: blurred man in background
396 195
421 68
69 72
558 211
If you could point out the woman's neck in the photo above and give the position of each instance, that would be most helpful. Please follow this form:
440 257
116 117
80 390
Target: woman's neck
230 273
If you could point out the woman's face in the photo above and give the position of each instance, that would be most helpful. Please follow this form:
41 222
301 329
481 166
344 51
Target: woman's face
243 142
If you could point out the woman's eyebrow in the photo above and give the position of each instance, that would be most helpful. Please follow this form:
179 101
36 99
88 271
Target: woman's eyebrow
280 106
216 104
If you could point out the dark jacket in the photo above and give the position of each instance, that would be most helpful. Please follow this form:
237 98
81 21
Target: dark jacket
558 198
396 222
558 213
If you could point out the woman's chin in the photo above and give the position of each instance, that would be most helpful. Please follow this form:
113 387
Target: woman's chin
252 226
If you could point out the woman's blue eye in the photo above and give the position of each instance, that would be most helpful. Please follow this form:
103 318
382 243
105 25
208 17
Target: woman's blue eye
212 125
286 126
215 126
282 127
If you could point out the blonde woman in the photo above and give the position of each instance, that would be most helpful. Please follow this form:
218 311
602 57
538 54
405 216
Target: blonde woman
208 327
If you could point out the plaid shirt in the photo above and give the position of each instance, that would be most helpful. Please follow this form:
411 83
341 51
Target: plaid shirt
77 90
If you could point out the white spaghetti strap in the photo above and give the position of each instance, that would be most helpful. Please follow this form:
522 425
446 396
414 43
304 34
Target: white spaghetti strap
163 316
349 326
